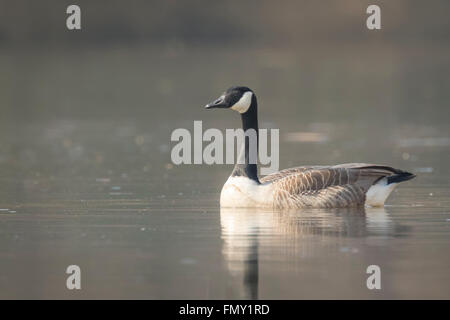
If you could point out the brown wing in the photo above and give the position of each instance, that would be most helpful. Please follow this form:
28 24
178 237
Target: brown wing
333 186
287 172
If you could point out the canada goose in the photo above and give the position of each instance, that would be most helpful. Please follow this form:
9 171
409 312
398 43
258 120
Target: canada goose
343 185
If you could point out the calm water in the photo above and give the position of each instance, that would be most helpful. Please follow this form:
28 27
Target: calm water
86 177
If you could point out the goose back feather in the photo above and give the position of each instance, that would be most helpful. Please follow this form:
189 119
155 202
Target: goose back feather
342 185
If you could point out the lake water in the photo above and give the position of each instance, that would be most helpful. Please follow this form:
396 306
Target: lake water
86 177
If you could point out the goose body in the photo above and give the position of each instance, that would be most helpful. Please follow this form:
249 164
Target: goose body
344 185
338 186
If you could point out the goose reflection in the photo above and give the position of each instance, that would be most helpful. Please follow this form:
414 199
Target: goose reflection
245 231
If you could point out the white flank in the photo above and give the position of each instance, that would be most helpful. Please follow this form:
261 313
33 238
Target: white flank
378 193
244 103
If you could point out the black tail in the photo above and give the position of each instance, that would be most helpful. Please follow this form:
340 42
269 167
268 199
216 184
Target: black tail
400 176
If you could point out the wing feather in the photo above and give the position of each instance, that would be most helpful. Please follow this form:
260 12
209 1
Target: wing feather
325 186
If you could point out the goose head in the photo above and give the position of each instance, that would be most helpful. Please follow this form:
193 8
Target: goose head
240 99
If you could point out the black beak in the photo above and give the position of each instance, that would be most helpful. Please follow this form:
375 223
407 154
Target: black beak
219 103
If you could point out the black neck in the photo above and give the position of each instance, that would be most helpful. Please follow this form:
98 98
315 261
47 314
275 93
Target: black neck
249 121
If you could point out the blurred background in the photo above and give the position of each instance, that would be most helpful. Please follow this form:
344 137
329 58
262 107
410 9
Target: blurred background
131 58
86 118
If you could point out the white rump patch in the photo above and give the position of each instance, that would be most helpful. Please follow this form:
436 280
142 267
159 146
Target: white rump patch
378 193
244 103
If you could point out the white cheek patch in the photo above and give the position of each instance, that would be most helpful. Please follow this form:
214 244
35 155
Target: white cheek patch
244 103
